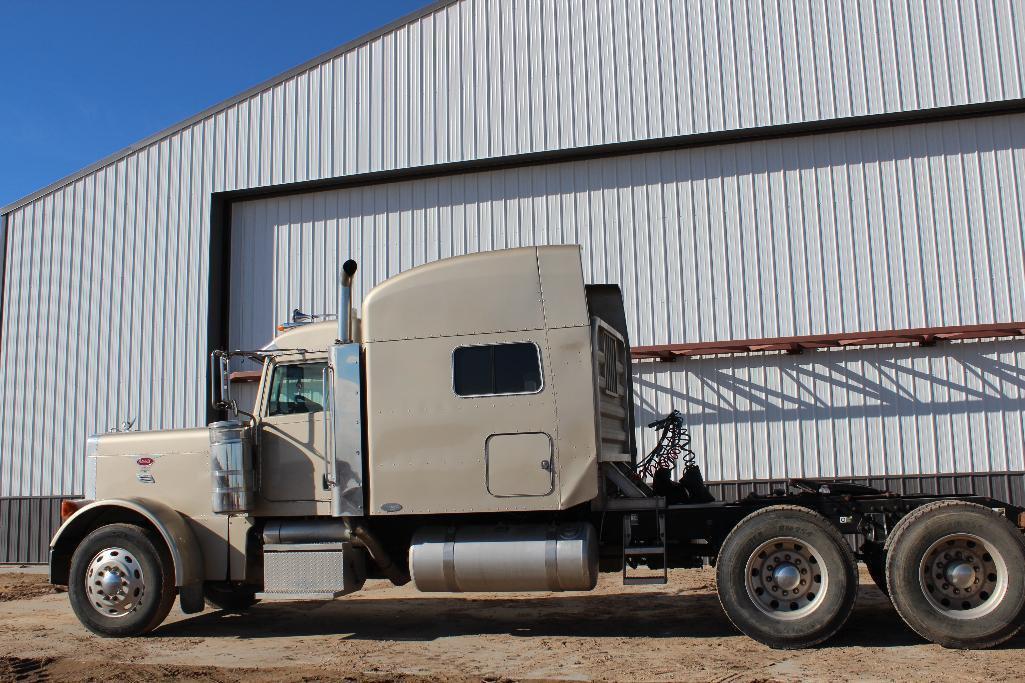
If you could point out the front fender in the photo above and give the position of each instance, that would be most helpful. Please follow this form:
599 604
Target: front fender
172 527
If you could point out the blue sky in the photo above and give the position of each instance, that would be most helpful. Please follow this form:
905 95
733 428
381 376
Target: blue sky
81 80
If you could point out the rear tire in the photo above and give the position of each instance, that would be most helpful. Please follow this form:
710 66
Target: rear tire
121 581
786 577
954 570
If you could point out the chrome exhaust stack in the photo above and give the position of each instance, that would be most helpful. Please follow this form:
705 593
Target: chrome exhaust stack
345 302
343 442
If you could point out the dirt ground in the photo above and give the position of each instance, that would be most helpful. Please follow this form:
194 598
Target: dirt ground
20 586
674 632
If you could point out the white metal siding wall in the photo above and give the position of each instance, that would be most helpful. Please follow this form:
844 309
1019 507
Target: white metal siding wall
102 325
901 227
485 78
908 226
105 298
887 411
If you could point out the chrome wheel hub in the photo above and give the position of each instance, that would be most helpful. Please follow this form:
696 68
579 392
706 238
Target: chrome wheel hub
785 578
114 582
963 576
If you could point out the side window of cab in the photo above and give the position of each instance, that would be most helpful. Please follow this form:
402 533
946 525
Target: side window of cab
497 369
296 389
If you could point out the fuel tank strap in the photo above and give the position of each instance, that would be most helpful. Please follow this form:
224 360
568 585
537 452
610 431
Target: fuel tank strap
552 557
448 560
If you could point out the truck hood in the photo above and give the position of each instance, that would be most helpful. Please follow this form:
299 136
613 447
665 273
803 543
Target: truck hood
194 440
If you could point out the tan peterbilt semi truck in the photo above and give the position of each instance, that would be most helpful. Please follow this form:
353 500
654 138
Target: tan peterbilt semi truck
473 431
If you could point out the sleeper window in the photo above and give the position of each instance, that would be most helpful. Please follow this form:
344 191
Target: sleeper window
297 389
497 369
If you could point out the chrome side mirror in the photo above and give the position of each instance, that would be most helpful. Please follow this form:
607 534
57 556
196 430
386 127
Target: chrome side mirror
220 383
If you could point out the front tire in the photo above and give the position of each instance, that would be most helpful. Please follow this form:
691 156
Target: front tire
954 573
121 581
786 577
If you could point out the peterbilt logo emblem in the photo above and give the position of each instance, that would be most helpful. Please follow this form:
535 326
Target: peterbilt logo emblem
144 475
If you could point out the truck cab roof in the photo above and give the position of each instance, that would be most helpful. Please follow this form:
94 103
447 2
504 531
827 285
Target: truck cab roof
487 292
526 288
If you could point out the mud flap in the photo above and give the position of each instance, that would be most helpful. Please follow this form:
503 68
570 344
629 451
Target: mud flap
190 598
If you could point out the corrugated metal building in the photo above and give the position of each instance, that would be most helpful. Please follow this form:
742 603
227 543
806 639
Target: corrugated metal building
746 169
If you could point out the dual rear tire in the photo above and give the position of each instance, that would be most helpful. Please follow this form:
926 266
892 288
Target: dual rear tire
786 577
955 575
952 569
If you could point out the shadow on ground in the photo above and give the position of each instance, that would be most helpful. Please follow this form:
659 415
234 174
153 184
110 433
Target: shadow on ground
874 623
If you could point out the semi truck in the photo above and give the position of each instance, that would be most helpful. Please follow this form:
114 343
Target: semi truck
472 429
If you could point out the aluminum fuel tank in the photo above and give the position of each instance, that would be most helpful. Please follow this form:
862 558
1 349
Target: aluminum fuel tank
515 557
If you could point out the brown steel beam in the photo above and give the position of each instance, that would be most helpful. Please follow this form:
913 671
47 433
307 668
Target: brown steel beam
920 335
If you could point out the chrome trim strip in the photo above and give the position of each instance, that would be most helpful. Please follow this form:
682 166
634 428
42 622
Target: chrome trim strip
347 496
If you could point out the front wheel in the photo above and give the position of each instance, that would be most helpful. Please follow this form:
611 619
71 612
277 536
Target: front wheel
786 577
121 581
954 573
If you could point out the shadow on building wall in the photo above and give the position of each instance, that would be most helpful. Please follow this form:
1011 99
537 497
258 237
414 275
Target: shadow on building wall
953 407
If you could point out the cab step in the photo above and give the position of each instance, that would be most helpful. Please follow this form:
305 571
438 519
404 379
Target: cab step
634 551
631 519
645 581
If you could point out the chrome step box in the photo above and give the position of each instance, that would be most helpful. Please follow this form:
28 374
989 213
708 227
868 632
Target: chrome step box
311 571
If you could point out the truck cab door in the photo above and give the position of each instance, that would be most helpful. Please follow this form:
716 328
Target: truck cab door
292 427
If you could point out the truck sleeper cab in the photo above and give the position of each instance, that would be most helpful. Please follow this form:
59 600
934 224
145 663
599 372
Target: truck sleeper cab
473 431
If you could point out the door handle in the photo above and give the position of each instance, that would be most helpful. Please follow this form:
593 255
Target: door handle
546 465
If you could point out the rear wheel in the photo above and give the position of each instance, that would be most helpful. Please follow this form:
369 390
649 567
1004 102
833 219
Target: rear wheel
954 573
121 581
786 577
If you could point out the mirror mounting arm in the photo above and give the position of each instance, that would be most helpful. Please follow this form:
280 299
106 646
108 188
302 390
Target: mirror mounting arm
220 385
